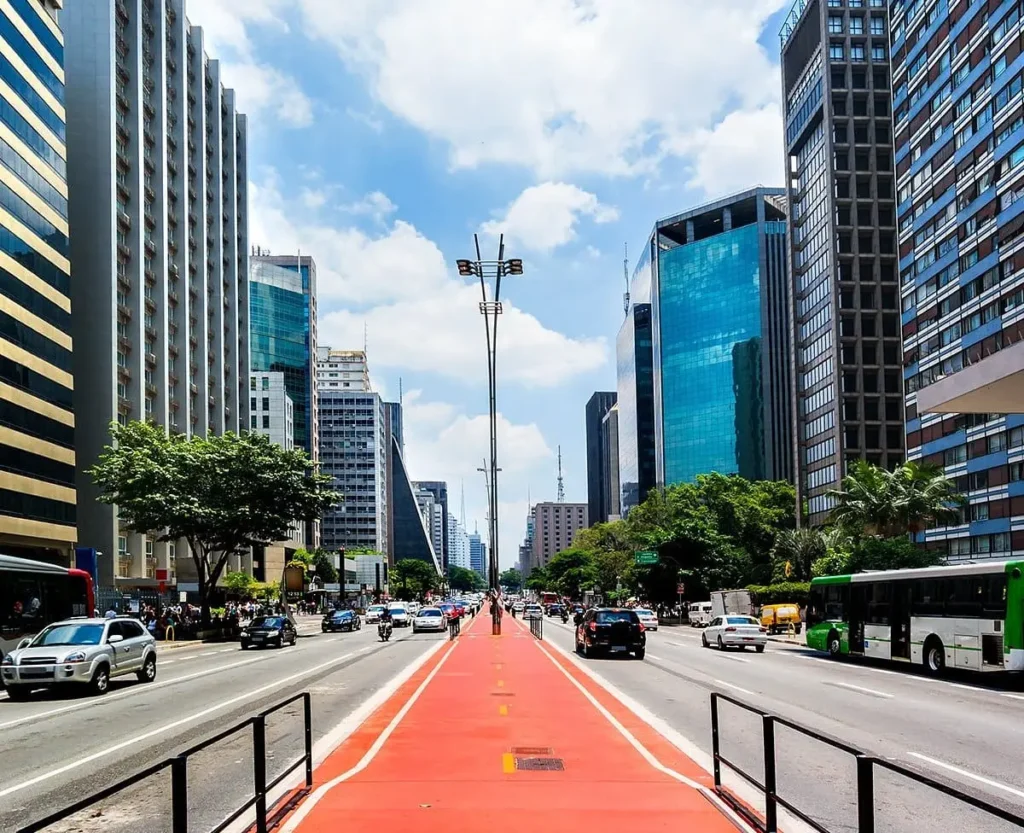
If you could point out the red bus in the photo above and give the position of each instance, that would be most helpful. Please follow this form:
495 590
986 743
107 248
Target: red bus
547 598
34 594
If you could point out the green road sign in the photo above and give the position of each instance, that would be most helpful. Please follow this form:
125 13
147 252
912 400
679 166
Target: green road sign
645 557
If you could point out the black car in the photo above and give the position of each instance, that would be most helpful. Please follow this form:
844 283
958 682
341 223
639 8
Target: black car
341 620
268 630
610 630
555 610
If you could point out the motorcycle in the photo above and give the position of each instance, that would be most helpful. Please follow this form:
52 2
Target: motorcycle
565 617
384 631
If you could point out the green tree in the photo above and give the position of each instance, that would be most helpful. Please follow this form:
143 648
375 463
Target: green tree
571 572
898 553
415 578
794 553
912 497
511 578
240 583
324 565
462 580
538 580
611 547
222 494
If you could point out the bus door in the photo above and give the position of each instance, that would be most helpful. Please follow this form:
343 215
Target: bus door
899 621
857 615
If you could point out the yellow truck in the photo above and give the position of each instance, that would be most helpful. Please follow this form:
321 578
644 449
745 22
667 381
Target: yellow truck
778 618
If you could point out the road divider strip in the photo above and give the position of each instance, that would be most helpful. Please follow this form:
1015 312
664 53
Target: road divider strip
870 691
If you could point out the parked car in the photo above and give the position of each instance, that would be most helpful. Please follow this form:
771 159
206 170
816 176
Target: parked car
611 630
648 618
86 652
268 630
735 632
341 620
429 619
399 615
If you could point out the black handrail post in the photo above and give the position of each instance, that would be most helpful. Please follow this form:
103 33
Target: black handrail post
716 765
307 714
865 794
259 770
179 794
771 810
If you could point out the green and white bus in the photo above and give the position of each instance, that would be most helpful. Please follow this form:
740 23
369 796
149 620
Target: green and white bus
969 616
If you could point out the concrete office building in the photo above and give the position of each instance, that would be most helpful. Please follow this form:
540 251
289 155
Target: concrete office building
344 369
158 202
554 527
720 339
354 452
959 151
610 467
526 548
439 489
478 555
37 427
843 282
599 477
433 517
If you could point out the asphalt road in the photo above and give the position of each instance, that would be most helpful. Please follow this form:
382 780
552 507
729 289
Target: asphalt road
62 746
964 731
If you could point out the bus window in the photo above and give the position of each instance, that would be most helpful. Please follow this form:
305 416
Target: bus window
928 597
879 602
815 607
993 596
835 597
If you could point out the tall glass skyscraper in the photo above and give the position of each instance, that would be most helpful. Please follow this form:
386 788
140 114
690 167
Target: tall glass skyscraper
720 340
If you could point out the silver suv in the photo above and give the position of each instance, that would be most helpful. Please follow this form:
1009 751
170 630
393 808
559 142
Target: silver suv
84 651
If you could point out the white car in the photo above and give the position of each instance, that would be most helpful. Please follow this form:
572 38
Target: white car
373 613
700 615
735 632
647 618
518 607
533 612
399 615
429 619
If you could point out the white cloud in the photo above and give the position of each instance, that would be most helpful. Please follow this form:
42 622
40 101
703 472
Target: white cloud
418 314
376 205
544 216
265 91
559 86
443 444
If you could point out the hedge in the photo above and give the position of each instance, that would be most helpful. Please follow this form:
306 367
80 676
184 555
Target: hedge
797 592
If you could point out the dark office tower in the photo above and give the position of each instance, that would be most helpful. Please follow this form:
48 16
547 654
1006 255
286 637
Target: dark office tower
839 159
598 479
957 82
439 489
411 536
720 339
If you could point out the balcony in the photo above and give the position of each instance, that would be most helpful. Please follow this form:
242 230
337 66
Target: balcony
172 349
172 296
151 332
192 388
150 245
172 268
124 405
125 312
124 343
174 406
124 219
151 359
123 282
122 100
124 374
150 304
151 389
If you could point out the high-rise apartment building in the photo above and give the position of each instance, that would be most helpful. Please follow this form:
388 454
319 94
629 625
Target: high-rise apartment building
635 392
959 133
158 202
478 555
843 283
37 427
439 489
526 548
458 544
342 369
554 527
720 339
433 517
599 478
611 491
354 452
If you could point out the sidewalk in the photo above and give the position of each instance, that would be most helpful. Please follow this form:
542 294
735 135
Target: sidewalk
493 733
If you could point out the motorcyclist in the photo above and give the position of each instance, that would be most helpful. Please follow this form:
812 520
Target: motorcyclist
384 623
565 614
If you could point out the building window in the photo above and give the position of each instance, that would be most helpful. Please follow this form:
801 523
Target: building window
877 52
266 383
857 52
266 403
253 425
252 384
835 52
266 420
835 25
877 25
856 25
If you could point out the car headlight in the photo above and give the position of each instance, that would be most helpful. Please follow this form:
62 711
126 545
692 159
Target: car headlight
8 660
77 656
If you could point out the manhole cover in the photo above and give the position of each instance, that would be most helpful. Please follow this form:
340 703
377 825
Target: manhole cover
532 750
540 764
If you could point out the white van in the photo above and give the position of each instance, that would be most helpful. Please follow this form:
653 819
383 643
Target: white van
700 614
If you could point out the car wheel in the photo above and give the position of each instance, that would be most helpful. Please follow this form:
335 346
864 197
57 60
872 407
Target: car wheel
641 652
148 672
721 644
280 642
100 680
704 641
759 648
18 692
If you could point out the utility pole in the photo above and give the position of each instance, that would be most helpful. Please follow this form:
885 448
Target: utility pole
561 485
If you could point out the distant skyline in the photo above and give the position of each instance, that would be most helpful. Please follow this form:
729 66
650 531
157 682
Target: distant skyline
379 148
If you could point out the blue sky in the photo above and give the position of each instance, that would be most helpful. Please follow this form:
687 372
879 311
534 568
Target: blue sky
384 133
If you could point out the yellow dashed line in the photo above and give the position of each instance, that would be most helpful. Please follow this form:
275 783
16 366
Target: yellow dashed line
503 711
508 763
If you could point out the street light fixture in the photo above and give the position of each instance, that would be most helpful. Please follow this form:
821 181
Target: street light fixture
490 307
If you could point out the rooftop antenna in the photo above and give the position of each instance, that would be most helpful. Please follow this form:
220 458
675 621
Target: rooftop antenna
462 486
561 485
366 337
625 275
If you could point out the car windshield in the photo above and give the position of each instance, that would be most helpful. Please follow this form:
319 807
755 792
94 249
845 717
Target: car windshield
375 609
69 635
399 610
342 614
431 612
741 620
606 616
642 612
267 622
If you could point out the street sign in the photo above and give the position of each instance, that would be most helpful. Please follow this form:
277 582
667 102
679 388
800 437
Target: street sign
681 589
332 587
645 557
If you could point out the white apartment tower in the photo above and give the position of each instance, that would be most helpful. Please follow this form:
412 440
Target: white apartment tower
342 370
158 202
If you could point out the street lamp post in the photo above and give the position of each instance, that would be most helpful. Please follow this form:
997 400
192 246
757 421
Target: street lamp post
490 308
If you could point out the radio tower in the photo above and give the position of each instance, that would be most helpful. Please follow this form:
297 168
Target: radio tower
625 275
561 485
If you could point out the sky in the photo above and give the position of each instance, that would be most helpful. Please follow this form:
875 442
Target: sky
385 133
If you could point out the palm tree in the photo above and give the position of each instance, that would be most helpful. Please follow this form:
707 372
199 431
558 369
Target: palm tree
798 549
910 498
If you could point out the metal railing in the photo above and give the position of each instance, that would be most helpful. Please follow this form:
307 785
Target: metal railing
865 776
537 626
178 765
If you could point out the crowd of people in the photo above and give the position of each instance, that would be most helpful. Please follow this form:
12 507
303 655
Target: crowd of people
184 621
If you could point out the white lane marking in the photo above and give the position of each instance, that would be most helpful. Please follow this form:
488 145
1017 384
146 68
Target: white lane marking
643 751
677 644
725 655
371 753
192 718
966 774
862 690
652 656
735 687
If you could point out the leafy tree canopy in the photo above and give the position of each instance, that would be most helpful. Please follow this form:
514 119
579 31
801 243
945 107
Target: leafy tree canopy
571 572
412 578
222 494
538 580
511 578
463 580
